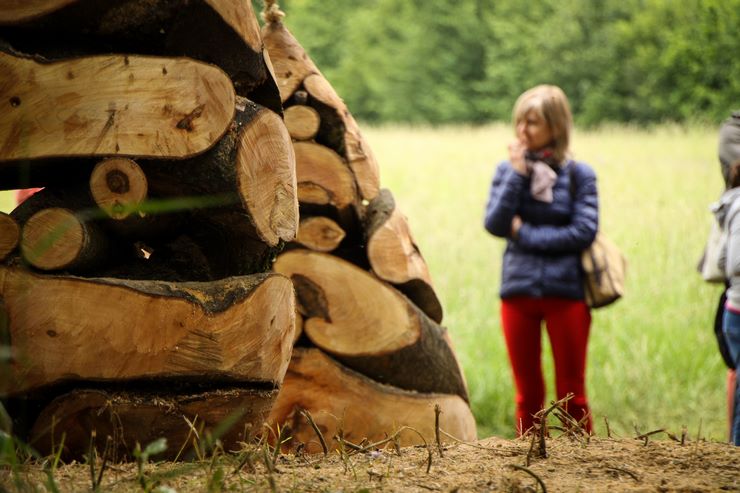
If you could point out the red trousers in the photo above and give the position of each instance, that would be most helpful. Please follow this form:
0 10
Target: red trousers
568 323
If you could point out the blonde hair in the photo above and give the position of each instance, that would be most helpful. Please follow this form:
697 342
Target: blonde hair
551 104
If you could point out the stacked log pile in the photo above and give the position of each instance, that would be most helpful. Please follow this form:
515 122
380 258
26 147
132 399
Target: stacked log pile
371 357
135 289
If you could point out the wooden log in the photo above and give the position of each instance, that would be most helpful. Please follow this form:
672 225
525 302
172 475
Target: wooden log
394 255
67 328
133 417
298 326
343 401
357 151
10 234
369 326
252 167
320 233
302 122
289 59
187 106
222 32
60 239
318 166
15 11
118 186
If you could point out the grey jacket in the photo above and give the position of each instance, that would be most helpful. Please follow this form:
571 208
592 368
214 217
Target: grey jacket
726 212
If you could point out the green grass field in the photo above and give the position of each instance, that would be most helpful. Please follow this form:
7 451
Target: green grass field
653 360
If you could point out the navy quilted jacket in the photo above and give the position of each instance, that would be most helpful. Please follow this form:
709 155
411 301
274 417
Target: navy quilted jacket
545 258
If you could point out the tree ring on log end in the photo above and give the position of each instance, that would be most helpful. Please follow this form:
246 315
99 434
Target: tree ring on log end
52 238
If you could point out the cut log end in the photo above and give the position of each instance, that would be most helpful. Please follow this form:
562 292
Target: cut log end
53 239
302 121
267 177
320 233
118 186
10 234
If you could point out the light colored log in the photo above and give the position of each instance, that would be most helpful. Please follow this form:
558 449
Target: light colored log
317 165
118 186
141 106
267 182
369 326
289 59
17 11
320 233
131 418
358 153
298 326
10 234
394 255
302 121
343 401
58 238
69 328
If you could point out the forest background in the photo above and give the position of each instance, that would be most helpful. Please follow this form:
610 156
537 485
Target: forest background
466 61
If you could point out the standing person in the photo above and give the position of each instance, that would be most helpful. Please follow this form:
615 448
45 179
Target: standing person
728 215
546 206
729 152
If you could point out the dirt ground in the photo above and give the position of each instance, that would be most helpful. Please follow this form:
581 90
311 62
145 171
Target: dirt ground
491 464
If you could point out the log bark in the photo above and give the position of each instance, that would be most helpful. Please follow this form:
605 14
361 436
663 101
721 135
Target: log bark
131 417
302 121
343 401
252 168
118 186
59 239
369 326
188 107
10 234
318 167
65 328
224 33
320 233
394 255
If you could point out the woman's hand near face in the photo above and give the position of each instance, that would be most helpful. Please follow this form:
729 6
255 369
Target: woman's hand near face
516 224
517 150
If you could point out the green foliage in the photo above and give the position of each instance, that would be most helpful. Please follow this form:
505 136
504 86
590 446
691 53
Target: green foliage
439 62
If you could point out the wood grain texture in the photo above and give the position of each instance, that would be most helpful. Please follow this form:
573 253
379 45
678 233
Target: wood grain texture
319 166
302 121
394 255
17 11
141 106
10 234
340 399
369 326
68 328
289 60
118 186
320 233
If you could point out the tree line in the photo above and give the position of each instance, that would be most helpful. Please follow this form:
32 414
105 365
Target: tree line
466 61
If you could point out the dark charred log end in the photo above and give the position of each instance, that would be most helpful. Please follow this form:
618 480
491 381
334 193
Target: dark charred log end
117 181
310 297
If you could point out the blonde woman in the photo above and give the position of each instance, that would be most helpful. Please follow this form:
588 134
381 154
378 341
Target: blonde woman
546 207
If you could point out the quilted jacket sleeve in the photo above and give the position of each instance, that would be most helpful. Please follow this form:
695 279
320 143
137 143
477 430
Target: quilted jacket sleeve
504 199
